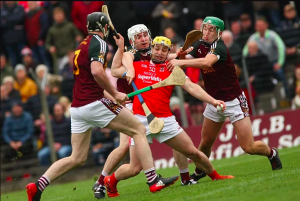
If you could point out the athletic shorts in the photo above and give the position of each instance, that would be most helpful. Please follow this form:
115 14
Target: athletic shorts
129 106
236 109
96 114
170 129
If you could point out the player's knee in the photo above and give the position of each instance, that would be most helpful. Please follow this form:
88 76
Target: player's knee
79 161
136 170
140 130
206 144
193 154
248 149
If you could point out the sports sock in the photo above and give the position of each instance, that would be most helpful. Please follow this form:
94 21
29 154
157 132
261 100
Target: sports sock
214 175
273 153
113 179
150 174
101 178
184 175
197 171
43 182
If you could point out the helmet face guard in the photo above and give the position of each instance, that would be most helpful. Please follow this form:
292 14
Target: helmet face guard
96 21
215 22
133 31
165 45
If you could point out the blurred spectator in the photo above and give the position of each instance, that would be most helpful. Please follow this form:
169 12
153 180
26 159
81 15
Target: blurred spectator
23 83
6 69
49 6
291 19
270 43
18 133
236 29
13 94
246 24
175 109
41 135
61 128
12 26
143 11
259 68
28 60
26 5
176 40
80 10
68 76
235 49
243 85
268 9
34 105
296 88
62 36
53 80
198 23
5 103
168 12
232 10
67 70
65 101
102 142
36 26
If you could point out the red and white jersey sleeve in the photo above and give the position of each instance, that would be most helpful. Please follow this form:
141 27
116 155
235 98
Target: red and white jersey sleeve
157 100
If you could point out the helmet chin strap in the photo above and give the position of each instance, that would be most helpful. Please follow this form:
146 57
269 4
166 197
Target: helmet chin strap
145 49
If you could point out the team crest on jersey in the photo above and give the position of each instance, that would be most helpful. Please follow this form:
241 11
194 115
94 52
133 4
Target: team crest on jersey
101 54
162 69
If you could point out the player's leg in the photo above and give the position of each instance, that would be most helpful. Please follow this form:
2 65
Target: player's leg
243 130
242 126
127 123
183 144
125 171
183 166
80 148
111 163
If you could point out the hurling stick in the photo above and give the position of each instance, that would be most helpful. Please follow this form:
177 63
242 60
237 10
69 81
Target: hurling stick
177 77
190 38
155 124
105 11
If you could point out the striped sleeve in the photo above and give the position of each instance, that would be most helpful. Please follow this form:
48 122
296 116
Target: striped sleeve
98 49
219 49
280 48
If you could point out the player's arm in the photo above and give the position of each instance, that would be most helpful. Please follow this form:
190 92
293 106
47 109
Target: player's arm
205 62
197 91
179 52
127 62
117 69
101 78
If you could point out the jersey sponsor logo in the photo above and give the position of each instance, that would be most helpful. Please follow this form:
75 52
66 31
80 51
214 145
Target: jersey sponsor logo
208 70
147 78
144 66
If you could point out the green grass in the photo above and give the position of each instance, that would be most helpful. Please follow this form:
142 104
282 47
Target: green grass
254 181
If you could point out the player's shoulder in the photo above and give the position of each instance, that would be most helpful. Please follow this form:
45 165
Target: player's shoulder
98 43
197 43
218 44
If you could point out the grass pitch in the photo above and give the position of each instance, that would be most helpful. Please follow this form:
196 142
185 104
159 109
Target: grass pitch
254 181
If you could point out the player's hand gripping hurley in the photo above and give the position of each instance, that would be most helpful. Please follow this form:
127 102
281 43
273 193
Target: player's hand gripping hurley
105 10
191 37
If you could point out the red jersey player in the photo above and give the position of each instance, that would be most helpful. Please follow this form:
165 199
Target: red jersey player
90 108
212 57
146 74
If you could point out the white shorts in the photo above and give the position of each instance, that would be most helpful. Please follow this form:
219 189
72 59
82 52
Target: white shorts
96 114
129 106
236 109
170 129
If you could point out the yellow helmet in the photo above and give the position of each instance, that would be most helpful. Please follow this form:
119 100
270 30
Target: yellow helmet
162 40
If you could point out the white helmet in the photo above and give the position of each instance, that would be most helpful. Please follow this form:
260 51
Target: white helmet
136 29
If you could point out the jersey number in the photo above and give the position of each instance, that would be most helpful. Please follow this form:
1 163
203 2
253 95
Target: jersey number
76 68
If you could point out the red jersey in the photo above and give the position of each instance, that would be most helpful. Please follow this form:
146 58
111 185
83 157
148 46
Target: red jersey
86 90
157 100
122 84
220 80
